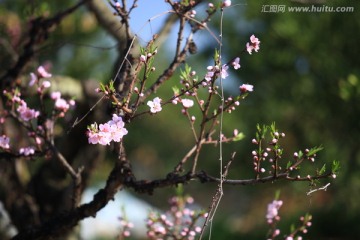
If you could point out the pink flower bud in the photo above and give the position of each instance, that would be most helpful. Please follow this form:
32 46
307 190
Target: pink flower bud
226 3
43 73
46 84
143 58
236 132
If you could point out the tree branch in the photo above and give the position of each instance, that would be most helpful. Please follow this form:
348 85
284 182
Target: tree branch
38 33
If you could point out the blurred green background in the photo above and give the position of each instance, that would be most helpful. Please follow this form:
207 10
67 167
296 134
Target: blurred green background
305 77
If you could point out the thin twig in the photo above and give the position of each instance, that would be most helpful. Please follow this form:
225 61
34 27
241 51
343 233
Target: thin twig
324 188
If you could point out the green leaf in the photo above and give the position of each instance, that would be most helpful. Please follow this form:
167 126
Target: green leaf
187 69
308 217
179 190
335 166
185 3
111 86
102 87
277 194
288 165
273 128
184 74
216 56
176 90
322 170
314 150
264 131
292 228
239 137
300 154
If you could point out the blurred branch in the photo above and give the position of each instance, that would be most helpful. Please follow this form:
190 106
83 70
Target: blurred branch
107 20
66 221
121 176
172 179
75 175
38 33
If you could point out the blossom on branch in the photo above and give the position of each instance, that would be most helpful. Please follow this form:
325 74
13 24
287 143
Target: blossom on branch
40 73
33 79
187 103
253 45
236 63
103 134
4 142
26 113
60 103
155 105
226 3
224 72
246 88
142 58
273 210
209 75
216 70
27 151
43 73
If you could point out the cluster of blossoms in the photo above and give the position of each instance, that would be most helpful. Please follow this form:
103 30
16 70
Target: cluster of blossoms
40 74
155 104
254 44
212 73
62 105
272 216
27 151
26 114
147 56
186 103
126 226
212 70
272 213
180 222
103 134
264 154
